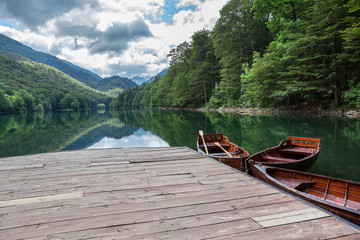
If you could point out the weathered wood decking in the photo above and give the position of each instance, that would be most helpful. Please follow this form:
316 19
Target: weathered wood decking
151 193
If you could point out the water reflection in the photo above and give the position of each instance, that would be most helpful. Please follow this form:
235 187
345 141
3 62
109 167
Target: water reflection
140 138
26 134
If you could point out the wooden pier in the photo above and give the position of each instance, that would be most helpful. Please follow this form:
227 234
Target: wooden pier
149 193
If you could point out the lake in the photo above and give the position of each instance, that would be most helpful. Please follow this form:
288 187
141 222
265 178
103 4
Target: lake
29 134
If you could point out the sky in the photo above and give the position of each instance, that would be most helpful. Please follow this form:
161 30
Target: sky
109 37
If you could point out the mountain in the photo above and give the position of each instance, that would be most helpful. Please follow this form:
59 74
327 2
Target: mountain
115 82
140 80
80 74
26 85
159 75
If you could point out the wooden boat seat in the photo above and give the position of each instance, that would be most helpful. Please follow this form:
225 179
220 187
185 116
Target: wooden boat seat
218 154
277 159
212 145
298 150
297 184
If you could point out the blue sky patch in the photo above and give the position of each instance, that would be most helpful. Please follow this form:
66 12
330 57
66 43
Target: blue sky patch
170 10
5 23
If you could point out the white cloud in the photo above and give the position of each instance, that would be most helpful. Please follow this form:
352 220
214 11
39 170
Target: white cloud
36 41
116 36
185 3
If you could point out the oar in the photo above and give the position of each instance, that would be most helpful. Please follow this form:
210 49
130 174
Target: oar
218 144
202 136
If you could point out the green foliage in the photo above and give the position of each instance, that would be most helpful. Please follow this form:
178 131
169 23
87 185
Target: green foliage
30 86
80 74
306 64
114 83
135 97
236 36
287 54
5 102
188 83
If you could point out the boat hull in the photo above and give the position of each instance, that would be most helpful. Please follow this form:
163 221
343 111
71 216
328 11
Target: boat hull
234 162
238 154
329 202
288 155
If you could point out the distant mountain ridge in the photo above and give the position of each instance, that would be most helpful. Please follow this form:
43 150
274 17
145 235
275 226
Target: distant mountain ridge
159 75
83 75
115 82
140 80
27 85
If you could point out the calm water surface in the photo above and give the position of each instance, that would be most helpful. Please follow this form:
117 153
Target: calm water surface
339 156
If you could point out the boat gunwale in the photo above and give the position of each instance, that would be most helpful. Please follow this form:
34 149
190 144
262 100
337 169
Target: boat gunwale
263 169
296 163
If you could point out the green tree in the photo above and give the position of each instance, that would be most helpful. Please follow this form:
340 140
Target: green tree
236 36
29 101
18 103
305 64
204 71
5 102
69 101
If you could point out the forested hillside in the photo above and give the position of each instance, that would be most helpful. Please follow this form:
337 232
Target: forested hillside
83 75
30 86
290 54
114 84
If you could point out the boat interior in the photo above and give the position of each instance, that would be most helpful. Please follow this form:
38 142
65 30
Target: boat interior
210 140
345 193
275 156
290 150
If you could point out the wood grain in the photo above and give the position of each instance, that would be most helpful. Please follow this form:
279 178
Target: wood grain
147 193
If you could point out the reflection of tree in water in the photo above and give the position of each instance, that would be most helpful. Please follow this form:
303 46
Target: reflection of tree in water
97 134
340 137
27 134
178 128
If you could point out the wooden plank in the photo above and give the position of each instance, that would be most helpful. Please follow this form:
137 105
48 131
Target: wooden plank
168 219
79 156
110 205
289 217
323 228
179 217
166 231
41 199
64 171
115 194
125 170
17 190
348 237
132 212
96 164
147 194
15 168
88 179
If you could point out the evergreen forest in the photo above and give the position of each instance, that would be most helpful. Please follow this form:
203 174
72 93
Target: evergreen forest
292 54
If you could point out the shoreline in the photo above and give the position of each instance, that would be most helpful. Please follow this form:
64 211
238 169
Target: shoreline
268 111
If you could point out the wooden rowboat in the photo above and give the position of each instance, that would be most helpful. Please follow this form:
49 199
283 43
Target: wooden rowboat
225 152
338 196
297 153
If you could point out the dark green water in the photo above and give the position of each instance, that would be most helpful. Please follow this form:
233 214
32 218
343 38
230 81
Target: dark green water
339 156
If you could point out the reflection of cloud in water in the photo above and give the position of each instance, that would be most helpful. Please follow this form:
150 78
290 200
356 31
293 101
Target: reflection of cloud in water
138 139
